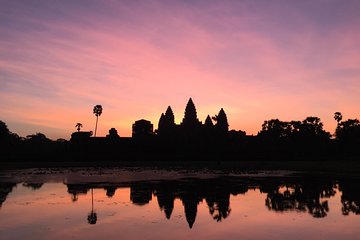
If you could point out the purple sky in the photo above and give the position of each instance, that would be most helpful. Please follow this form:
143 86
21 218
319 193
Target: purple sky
256 59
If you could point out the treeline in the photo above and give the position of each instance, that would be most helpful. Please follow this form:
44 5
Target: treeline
308 138
277 140
32 147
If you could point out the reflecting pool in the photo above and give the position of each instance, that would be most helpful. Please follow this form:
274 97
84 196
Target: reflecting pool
177 204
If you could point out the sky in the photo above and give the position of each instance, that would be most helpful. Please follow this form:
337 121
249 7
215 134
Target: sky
257 59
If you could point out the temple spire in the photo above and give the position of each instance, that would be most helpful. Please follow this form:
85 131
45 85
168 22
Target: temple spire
208 122
222 122
190 117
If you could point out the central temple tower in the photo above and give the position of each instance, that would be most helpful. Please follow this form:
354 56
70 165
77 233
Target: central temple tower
190 120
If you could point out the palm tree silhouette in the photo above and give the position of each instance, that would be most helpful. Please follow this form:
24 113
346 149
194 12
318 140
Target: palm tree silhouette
92 216
97 111
338 117
78 126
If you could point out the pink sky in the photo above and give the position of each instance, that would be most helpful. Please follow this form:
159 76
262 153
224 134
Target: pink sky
256 59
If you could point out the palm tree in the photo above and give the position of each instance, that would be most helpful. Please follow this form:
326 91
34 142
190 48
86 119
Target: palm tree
92 216
338 117
78 126
97 111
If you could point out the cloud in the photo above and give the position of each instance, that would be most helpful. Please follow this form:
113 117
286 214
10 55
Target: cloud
257 60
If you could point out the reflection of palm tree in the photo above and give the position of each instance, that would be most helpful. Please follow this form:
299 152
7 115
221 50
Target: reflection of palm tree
97 111
92 216
78 126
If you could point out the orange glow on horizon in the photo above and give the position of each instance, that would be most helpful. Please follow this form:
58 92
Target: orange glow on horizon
135 60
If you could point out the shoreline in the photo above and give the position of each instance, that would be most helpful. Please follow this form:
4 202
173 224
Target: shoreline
309 166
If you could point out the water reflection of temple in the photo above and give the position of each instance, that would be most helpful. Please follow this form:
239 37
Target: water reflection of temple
302 195
190 192
307 195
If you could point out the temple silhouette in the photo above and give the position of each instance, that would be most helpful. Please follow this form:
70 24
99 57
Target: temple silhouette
191 136
191 127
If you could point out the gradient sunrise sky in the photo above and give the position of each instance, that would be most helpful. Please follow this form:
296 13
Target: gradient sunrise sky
258 59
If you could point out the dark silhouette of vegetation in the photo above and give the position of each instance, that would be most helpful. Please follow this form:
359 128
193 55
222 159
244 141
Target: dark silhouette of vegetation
348 136
78 126
4 130
37 138
310 129
338 117
191 140
97 111
347 131
8 140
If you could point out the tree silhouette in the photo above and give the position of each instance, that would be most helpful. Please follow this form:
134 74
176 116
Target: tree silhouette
78 126
338 117
4 130
97 111
349 131
312 128
274 129
37 138
5 136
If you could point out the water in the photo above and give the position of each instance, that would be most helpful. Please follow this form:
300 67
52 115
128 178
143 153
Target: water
177 204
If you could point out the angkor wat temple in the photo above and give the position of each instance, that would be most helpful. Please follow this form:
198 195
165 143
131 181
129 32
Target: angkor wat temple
191 126
190 136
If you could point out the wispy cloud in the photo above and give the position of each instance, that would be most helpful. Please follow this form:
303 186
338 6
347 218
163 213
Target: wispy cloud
257 59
